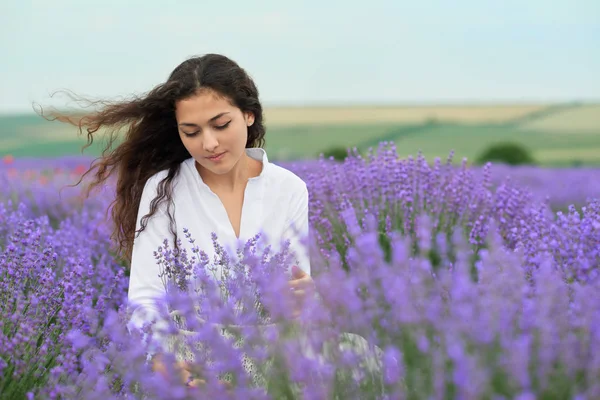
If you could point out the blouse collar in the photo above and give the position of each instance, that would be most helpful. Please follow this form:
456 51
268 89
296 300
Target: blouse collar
256 153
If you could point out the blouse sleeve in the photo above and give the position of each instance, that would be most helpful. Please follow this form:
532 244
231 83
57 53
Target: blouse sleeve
297 230
145 285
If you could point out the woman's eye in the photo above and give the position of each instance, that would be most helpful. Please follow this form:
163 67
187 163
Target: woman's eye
217 127
221 127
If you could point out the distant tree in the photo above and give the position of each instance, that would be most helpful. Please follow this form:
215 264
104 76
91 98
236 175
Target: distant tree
431 120
338 153
506 153
576 163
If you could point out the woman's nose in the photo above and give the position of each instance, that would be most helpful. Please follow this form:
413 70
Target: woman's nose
210 142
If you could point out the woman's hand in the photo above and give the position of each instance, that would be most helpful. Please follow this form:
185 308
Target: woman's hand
185 371
301 287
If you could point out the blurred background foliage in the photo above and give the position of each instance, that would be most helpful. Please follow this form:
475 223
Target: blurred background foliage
559 135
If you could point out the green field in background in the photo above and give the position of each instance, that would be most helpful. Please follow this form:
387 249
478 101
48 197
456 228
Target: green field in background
559 135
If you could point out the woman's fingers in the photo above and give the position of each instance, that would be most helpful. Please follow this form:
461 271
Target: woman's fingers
300 289
301 283
295 286
158 366
299 295
303 293
185 371
182 368
197 383
227 384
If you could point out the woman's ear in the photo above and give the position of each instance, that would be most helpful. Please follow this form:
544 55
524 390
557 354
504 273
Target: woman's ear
249 119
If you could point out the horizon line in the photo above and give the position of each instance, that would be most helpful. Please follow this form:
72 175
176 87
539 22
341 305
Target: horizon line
380 104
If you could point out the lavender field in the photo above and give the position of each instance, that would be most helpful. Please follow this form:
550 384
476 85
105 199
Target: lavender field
433 282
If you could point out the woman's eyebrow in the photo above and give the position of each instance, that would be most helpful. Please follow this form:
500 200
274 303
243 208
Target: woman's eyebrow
210 120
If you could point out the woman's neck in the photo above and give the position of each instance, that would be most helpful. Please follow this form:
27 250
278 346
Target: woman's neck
245 168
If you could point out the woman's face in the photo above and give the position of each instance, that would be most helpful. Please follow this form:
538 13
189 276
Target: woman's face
212 130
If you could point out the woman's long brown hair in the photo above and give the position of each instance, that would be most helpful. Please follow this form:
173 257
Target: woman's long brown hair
149 142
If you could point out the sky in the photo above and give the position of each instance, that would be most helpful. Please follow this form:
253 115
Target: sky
307 52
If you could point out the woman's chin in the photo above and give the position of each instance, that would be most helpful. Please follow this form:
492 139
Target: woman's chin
219 168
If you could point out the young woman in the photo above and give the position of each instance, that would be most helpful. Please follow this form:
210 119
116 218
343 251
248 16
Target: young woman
191 157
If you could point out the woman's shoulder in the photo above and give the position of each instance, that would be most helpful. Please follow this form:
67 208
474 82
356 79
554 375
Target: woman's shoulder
152 182
154 179
280 176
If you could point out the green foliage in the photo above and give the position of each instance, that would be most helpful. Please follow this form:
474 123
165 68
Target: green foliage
578 142
338 153
507 153
576 163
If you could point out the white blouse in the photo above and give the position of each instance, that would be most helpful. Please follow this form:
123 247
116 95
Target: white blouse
275 204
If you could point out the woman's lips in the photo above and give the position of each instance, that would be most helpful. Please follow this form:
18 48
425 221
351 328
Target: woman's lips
217 157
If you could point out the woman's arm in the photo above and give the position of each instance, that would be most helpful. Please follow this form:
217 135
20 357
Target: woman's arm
145 284
297 231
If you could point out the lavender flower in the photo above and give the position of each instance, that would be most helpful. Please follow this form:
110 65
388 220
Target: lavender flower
433 281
